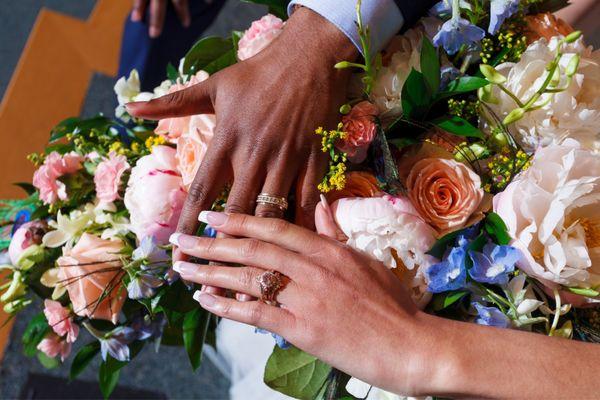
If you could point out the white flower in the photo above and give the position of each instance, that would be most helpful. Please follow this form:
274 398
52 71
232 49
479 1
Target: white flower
66 228
523 298
552 211
573 113
363 390
128 90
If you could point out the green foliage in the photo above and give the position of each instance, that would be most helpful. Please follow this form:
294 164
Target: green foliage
35 331
276 7
462 85
458 126
47 362
440 246
497 229
172 72
78 126
210 54
108 374
585 292
295 373
430 65
195 327
82 359
416 96
442 301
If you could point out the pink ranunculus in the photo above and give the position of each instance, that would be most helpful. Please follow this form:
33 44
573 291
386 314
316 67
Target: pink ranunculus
53 345
192 146
173 128
60 320
45 179
155 195
107 177
445 192
28 234
259 36
361 128
92 273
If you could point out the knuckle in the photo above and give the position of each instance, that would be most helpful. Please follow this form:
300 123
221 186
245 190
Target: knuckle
308 206
246 278
226 309
249 248
198 191
277 226
264 212
253 313
235 209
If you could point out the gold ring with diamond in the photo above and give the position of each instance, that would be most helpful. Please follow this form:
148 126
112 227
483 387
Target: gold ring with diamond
267 199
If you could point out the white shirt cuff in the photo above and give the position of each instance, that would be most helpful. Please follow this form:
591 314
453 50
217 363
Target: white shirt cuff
383 18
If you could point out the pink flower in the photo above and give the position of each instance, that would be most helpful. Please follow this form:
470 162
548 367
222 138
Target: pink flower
53 345
172 128
259 36
28 234
92 273
155 195
45 179
192 147
108 177
361 128
445 192
60 321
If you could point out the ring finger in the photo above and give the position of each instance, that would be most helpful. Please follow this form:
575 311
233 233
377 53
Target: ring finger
277 185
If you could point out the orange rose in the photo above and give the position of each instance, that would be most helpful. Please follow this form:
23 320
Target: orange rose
92 273
545 26
358 184
445 192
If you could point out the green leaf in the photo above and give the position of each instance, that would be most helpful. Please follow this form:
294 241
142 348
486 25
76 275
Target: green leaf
172 73
458 126
27 187
195 325
416 96
34 333
430 65
585 292
276 7
439 248
80 126
497 229
47 362
444 300
295 373
464 84
108 377
83 358
210 54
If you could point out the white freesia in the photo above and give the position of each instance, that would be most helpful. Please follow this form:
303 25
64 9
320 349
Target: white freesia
573 113
129 89
523 299
553 216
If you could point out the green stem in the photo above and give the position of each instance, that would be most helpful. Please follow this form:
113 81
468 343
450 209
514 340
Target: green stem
455 9
556 312
542 89
512 95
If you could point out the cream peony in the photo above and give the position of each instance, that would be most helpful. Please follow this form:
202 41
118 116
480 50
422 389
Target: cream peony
552 213
573 113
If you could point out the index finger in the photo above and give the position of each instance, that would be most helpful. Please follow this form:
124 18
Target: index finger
271 230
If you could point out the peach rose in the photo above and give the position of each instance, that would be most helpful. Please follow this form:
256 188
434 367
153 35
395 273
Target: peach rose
173 128
192 146
358 184
361 127
92 273
545 25
445 192
107 177
260 34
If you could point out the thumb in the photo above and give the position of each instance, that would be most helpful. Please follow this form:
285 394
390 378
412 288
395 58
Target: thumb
196 99
325 222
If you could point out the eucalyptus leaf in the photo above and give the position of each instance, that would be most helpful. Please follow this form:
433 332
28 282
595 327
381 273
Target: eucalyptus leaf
295 373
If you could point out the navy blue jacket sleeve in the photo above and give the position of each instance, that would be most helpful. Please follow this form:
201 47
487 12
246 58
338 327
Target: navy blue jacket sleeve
412 10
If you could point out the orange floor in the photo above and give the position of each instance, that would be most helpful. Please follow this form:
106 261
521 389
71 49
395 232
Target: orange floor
50 83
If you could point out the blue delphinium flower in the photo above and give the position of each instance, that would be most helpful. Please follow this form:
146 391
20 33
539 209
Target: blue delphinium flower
457 32
144 285
494 264
116 343
281 342
491 316
450 274
149 252
447 75
500 10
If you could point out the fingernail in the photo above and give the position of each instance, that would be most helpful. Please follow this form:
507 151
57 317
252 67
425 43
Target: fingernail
243 297
324 201
184 268
212 218
182 241
205 299
136 16
154 32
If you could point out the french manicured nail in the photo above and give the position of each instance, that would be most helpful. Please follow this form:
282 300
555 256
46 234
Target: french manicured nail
212 218
184 268
182 241
205 299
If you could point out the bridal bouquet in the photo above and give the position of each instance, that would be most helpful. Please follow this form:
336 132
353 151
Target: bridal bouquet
467 160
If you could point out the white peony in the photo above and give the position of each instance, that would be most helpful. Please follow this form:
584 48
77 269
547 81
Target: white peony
552 211
573 113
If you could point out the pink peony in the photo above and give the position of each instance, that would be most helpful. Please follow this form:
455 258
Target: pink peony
155 195
28 234
173 128
259 36
445 192
45 179
92 273
107 177
53 345
60 321
361 128
192 147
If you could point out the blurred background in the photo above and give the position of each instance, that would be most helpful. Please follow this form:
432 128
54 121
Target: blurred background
60 58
